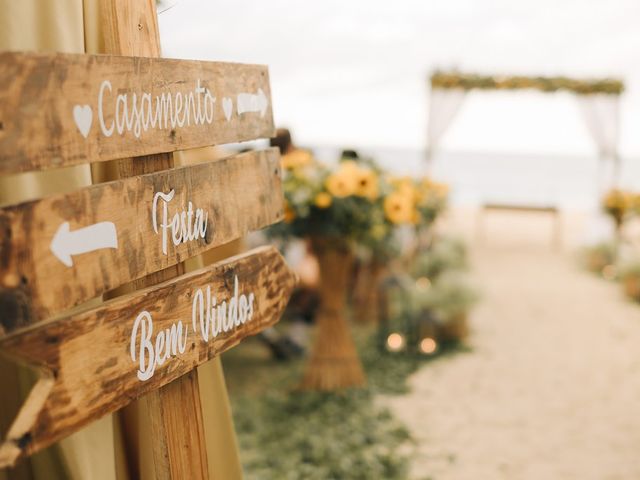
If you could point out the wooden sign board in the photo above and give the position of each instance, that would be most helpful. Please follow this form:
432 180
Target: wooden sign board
97 362
67 109
105 235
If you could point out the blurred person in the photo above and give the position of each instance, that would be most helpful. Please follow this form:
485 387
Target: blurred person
291 156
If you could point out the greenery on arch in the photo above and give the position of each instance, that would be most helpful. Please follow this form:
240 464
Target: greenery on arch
472 81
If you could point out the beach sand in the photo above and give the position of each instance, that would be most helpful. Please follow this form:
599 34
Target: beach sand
551 386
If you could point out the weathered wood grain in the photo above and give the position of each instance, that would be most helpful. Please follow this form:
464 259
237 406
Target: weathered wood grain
87 363
52 113
238 194
179 447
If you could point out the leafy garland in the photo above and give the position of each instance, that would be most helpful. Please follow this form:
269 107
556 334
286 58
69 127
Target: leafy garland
469 81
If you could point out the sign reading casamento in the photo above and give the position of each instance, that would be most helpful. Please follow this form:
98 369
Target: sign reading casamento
66 109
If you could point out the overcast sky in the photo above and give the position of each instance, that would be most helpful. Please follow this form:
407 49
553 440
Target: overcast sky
354 72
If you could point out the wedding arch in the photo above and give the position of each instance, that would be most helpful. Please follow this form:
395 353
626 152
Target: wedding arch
598 100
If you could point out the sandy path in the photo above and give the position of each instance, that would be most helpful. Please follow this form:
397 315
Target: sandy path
551 389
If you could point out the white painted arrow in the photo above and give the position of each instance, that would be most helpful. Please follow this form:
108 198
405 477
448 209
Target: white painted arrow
248 102
87 239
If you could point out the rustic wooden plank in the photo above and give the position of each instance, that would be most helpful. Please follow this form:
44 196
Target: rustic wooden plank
98 361
178 418
66 109
212 203
130 28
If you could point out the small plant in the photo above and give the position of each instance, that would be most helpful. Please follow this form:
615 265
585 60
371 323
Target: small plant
448 297
630 276
423 314
601 258
445 254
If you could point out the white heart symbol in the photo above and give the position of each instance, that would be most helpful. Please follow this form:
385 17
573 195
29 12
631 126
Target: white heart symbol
227 106
83 115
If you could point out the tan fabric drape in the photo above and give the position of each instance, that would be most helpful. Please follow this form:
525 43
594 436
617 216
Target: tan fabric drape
100 451
50 26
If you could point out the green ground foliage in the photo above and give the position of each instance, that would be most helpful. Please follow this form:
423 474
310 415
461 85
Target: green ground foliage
288 434
304 435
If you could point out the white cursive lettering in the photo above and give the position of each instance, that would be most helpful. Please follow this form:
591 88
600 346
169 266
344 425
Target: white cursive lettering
168 343
135 112
183 229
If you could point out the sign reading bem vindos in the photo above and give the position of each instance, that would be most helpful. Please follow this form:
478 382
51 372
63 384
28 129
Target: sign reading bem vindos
96 362
67 109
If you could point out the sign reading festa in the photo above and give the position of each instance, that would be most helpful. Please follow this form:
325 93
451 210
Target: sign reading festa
98 238
57 253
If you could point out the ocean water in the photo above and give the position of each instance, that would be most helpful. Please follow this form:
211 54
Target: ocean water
567 182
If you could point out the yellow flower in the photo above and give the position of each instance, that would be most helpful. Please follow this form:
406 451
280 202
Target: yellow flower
405 186
429 190
323 200
289 214
342 183
348 167
367 184
296 159
427 182
441 189
399 208
409 191
617 199
401 182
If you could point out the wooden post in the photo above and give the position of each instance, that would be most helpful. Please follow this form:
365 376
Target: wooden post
175 413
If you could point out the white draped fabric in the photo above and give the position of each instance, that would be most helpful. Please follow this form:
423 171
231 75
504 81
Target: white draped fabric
601 113
443 106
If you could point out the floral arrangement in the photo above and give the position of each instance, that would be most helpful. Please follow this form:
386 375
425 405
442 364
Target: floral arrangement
450 295
429 305
630 276
618 204
354 201
415 201
465 81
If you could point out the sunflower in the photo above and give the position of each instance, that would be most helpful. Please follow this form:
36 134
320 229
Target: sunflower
399 208
323 200
343 182
296 159
617 200
617 203
367 184
289 214
405 186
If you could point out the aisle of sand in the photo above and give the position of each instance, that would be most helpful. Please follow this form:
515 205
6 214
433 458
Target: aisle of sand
551 388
